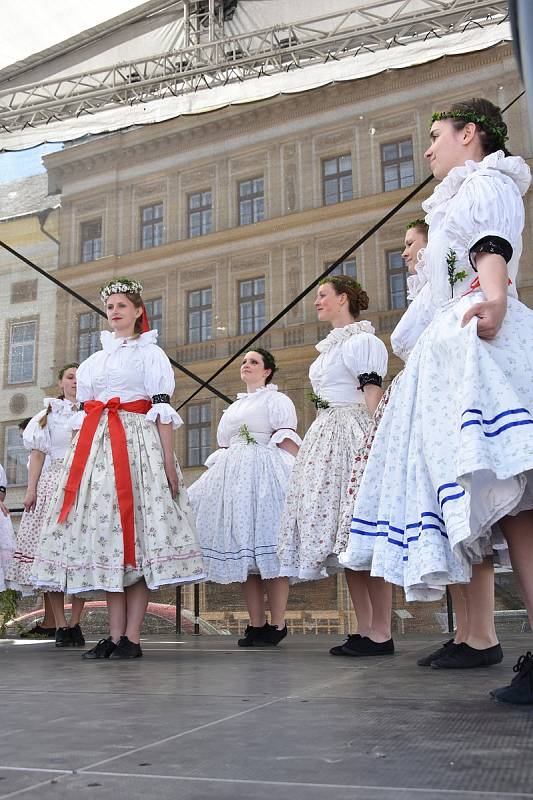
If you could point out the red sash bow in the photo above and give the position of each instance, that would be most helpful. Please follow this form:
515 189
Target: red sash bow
94 410
475 285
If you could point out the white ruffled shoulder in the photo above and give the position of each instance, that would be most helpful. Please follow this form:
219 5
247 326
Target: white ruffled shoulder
36 437
417 281
110 341
339 335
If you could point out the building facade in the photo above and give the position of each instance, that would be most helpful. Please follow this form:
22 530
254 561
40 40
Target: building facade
226 217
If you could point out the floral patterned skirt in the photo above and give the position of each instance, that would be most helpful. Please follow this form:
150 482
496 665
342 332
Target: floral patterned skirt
86 552
29 532
7 548
311 536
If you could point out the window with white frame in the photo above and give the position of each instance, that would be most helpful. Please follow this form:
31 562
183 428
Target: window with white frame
89 327
251 201
199 315
152 226
347 267
200 209
397 275
22 344
15 457
252 305
397 164
337 185
198 433
91 240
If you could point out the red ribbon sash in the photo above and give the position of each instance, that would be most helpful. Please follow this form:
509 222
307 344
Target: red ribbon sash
93 412
475 284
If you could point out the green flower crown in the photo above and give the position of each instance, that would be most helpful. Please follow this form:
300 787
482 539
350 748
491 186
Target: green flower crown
416 222
340 279
498 131
120 286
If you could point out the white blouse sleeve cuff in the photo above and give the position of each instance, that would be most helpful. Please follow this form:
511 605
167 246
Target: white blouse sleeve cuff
285 433
166 414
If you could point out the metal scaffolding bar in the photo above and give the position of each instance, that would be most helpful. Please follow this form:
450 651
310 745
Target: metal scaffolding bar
219 61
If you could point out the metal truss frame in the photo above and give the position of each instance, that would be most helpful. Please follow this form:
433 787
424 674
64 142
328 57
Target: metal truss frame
223 59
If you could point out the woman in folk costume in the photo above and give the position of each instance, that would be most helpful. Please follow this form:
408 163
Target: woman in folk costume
7 536
238 501
450 473
120 520
346 379
48 436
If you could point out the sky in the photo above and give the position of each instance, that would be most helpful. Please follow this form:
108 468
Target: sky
20 164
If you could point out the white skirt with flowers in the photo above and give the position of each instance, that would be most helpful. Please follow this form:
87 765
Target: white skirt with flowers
86 552
7 547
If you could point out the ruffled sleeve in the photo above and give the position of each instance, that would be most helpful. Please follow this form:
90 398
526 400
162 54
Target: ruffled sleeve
413 323
223 430
159 380
365 353
3 477
35 437
282 418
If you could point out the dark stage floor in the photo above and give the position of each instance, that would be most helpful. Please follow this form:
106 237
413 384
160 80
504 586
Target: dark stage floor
200 718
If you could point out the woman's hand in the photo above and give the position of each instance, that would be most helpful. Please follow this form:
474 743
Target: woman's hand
30 499
490 314
4 509
172 477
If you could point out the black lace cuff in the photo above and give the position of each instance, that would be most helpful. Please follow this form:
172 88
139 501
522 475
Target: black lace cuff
160 398
492 244
81 407
3 489
371 378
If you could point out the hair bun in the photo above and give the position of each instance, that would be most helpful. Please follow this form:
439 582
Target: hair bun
362 300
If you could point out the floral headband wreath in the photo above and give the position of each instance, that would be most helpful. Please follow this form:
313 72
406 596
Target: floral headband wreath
499 132
125 286
415 223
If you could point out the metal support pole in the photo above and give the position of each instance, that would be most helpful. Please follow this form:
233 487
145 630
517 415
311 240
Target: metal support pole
197 609
178 609
449 609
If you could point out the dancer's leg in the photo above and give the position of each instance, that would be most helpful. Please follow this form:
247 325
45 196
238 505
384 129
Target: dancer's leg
460 608
380 594
360 597
57 604
77 607
254 597
277 590
49 619
116 609
136 605
519 534
479 595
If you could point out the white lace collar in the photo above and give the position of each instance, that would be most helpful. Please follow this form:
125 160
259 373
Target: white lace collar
513 166
419 278
59 406
338 335
111 342
270 387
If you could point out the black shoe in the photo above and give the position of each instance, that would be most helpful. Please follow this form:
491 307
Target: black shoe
426 660
462 656
270 636
38 632
338 649
520 690
63 638
126 649
250 635
103 649
76 636
367 647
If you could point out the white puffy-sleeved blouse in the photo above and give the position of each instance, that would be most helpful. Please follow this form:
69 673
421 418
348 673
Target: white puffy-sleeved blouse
345 354
131 369
55 437
269 416
3 478
474 201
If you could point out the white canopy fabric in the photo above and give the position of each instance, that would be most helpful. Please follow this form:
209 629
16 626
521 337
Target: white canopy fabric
156 26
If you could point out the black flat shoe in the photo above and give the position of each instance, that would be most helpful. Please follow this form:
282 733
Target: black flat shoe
103 649
520 690
63 638
38 632
426 660
462 656
126 649
250 635
367 647
338 649
270 637
76 636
